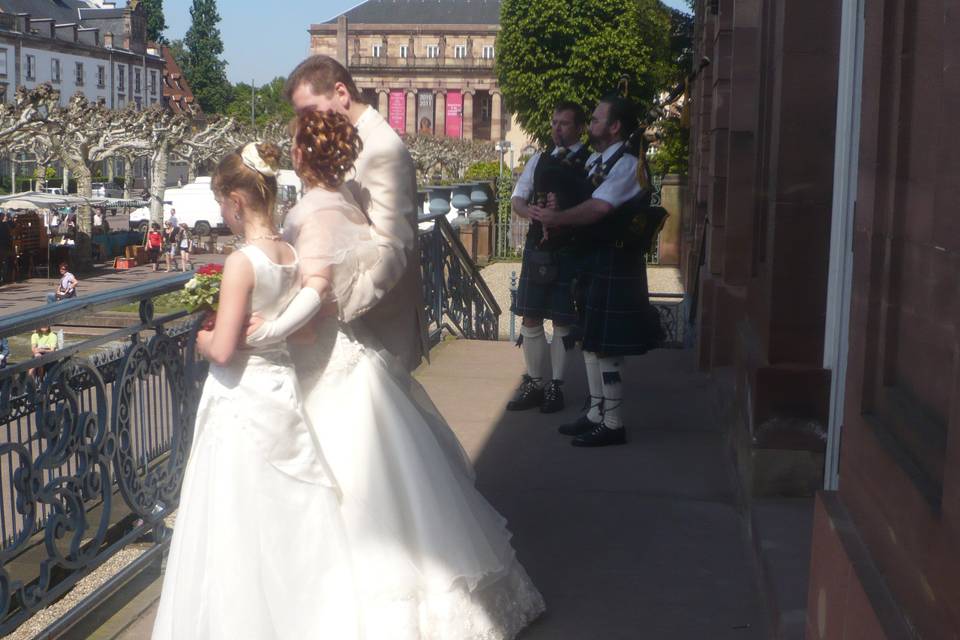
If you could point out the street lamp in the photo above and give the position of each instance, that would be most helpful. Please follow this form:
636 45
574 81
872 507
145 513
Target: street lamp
502 147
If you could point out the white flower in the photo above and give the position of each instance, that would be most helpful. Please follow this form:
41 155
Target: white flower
191 284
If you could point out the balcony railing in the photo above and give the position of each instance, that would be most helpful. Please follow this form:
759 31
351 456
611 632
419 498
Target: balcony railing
420 63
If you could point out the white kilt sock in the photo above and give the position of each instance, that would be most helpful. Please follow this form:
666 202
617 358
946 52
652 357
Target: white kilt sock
612 391
535 352
595 384
558 351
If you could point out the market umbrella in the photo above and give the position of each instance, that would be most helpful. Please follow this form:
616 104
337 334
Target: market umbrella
18 204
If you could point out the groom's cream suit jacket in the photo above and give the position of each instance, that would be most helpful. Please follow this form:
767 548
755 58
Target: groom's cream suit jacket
388 297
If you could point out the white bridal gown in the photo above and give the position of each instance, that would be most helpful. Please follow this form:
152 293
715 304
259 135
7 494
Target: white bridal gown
432 560
258 549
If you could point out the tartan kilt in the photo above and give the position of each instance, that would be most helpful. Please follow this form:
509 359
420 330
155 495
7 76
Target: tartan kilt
616 317
552 301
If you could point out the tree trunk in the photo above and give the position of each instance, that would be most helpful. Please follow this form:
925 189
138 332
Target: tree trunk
127 177
191 171
84 247
158 180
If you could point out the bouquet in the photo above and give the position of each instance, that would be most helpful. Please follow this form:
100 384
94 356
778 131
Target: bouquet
202 291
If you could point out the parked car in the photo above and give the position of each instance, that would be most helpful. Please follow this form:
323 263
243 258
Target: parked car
106 190
55 191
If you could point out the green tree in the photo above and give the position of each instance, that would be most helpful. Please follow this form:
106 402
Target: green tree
156 24
552 50
270 105
205 68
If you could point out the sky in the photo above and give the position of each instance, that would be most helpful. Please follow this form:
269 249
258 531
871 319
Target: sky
264 39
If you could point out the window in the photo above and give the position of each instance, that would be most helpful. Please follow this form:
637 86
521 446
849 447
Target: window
488 52
31 67
153 83
377 50
139 102
55 70
460 51
136 80
3 93
79 72
3 61
403 51
121 102
484 107
433 51
101 76
121 79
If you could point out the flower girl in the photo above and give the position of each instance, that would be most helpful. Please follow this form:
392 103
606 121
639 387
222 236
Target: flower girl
258 549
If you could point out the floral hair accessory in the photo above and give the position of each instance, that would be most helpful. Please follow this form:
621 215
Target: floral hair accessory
251 158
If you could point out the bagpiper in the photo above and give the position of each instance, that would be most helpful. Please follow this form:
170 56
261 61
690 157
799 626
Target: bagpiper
613 231
549 261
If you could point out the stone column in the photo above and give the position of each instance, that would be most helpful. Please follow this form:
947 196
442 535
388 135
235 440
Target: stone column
468 114
383 105
496 117
440 113
411 112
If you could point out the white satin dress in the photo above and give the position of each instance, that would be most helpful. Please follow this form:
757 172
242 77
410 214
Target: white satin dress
432 559
259 549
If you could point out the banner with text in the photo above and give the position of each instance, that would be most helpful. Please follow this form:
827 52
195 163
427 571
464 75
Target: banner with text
398 111
454 114
425 113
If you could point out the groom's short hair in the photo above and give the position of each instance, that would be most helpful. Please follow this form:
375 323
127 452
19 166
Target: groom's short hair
322 73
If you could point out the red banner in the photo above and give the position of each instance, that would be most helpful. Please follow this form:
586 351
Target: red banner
454 114
398 111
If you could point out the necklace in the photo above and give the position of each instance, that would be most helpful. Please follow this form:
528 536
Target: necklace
266 236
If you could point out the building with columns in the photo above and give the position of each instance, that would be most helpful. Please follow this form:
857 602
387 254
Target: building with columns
428 67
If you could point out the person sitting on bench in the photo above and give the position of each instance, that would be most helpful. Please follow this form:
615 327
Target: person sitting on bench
67 287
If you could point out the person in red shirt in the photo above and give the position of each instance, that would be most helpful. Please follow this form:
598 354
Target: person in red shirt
154 245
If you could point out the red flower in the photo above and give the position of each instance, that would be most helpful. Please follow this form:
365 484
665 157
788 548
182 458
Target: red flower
210 270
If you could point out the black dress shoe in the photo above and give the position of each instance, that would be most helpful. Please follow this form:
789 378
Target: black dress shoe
552 398
529 395
600 436
578 426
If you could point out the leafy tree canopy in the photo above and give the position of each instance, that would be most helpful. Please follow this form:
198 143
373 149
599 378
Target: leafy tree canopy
204 66
270 104
552 50
156 24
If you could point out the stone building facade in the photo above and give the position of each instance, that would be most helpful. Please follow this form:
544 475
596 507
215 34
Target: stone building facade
823 181
428 67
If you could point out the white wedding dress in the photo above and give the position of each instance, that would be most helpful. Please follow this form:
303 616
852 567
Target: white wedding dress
432 560
258 550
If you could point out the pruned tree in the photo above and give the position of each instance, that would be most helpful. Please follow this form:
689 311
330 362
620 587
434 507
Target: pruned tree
447 157
209 140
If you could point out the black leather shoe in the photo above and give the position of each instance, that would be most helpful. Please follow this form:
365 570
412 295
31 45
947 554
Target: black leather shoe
552 398
529 395
600 436
578 426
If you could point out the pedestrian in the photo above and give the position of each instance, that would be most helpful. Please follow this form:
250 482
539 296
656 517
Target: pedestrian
549 264
154 243
186 243
171 245
173 218
67 287
616 318
42 341
4 352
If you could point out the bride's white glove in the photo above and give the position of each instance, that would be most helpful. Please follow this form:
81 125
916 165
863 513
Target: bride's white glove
303 307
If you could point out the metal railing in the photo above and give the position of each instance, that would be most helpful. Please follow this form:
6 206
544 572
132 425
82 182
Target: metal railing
93 446
396 62
455 295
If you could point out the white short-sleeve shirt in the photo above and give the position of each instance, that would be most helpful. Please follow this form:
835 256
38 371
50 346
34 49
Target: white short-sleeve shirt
524 187
621 183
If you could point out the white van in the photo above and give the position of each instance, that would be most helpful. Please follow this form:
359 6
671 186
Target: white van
197 207
194 203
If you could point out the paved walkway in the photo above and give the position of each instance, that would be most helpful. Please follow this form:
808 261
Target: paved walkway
17 297
643 541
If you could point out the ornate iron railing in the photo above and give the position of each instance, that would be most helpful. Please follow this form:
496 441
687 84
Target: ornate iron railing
455 295
92 449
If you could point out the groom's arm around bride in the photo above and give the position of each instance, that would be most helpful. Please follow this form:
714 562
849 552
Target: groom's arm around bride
388 295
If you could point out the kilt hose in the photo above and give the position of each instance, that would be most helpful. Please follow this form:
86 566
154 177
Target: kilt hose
615 314
553 301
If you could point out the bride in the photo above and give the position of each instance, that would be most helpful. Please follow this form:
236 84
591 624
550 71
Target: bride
432 560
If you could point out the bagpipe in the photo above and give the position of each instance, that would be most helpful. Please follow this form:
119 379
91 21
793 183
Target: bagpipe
636 224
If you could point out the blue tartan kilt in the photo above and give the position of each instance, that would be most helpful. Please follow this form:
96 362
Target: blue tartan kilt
553 301
616 317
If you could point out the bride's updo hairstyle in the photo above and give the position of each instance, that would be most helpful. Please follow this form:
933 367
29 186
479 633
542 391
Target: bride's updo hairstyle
251 169
328 146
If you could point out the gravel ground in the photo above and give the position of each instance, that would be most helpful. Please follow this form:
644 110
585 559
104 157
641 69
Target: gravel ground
497 276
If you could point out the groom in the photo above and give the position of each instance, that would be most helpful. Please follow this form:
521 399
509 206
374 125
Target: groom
385 187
